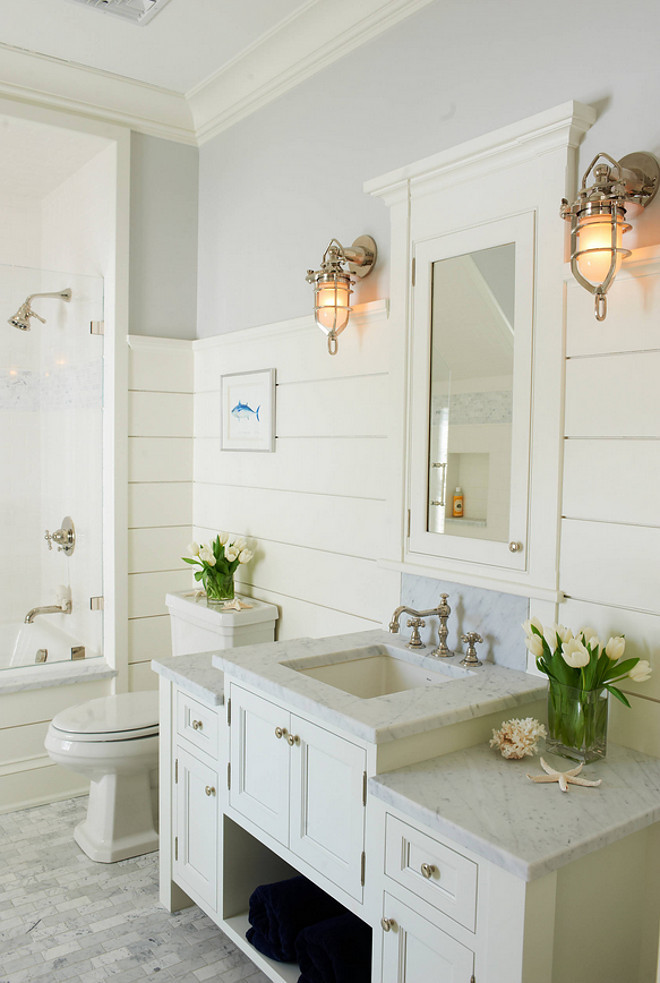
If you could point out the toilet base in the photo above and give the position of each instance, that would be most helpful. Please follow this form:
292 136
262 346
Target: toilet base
119 822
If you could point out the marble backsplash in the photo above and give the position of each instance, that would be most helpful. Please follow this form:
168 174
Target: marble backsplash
496 617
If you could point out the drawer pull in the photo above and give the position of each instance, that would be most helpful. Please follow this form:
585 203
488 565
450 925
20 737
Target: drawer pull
209 790
197 725
387 924
280 732
293 739
428 870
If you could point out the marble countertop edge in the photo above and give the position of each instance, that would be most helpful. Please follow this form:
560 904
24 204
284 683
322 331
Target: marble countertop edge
480 802
195 673
20 680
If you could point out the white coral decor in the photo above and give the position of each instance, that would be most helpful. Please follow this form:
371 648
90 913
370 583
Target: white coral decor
517 738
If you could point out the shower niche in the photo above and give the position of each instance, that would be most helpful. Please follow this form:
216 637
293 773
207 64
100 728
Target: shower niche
51 447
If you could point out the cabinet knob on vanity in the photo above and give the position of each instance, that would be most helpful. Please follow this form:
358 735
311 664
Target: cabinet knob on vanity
293 739
428 870
197 725
280 732
209 790
387 924
515 546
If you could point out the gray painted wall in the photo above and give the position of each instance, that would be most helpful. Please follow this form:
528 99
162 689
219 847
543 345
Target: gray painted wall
163 238
277 186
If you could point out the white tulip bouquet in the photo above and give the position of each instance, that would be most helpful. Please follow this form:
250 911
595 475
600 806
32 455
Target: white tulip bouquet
581 670
218 562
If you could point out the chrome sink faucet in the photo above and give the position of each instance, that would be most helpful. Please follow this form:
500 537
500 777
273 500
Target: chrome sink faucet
415 622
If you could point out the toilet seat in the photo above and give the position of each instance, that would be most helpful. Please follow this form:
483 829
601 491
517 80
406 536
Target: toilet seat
122 717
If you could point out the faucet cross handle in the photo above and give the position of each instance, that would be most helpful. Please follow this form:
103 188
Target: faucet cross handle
471 658
48 537
415 638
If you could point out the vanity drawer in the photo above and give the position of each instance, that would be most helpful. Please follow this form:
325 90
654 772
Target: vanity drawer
438 875
197 723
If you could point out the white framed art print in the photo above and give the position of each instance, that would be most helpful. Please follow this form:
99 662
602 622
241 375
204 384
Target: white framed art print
247 401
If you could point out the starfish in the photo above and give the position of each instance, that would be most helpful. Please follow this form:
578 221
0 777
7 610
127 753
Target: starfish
235 605
564 778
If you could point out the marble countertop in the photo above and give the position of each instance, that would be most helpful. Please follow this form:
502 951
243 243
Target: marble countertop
268 668
194 673
480 801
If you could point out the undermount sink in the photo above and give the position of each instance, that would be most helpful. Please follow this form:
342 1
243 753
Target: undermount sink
376 670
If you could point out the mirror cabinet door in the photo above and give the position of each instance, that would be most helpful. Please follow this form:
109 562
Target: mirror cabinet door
470 393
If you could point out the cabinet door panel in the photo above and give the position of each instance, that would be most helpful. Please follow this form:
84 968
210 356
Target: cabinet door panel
259 763
195 863
327 811
414 950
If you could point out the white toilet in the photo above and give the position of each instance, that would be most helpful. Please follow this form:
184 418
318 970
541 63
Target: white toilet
113 740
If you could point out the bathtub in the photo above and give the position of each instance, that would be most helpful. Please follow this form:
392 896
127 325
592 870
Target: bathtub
31 645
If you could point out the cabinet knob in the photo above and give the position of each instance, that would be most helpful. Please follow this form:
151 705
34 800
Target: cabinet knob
280 732
387 924
428 870
293 739
515 546
197 725
209 790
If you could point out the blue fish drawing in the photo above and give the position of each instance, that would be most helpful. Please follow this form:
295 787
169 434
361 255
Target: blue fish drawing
243 411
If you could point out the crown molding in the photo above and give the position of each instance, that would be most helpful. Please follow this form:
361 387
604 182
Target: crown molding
313 37
317 35
40 79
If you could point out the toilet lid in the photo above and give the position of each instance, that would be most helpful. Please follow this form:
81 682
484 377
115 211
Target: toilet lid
111 718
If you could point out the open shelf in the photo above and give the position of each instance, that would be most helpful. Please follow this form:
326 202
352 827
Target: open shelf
235 928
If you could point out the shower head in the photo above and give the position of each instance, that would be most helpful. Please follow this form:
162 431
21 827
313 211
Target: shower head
21 318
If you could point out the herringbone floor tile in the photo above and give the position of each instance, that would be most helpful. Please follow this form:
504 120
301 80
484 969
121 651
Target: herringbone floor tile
66 919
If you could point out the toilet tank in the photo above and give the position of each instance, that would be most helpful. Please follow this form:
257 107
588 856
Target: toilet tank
198 628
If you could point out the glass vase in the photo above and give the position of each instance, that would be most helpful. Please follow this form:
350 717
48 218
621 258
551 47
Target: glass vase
577 722
219 588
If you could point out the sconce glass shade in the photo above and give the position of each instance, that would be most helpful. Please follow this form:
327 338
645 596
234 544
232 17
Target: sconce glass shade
332 301
598 242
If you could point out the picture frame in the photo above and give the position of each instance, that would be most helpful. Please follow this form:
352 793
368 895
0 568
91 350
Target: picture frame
247 411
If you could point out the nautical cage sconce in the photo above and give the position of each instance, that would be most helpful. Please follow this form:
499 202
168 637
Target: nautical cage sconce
332 284
597 219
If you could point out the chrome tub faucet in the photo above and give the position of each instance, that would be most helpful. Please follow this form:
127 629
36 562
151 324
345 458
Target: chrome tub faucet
64 607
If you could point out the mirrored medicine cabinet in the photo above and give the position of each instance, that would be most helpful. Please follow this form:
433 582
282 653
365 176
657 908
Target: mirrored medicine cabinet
470 385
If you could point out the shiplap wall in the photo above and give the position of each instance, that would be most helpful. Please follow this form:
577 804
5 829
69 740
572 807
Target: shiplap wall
159 493
610 537
316 507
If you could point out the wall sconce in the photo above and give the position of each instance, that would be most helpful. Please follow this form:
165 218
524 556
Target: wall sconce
332 284
597 219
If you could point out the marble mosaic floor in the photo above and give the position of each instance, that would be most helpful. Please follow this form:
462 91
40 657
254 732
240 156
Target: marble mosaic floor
65 918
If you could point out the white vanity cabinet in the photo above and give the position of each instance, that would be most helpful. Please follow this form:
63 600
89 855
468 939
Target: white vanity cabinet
192 753
414 949
301 784
426 893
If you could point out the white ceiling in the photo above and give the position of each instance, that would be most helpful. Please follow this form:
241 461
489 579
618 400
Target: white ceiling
184 44
194 70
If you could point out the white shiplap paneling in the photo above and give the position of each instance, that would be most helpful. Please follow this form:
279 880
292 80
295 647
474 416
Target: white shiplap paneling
316 507
160 493
611 563
159 504
613 395
160 458
612 480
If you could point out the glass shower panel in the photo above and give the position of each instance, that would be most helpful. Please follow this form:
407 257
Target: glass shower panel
51 427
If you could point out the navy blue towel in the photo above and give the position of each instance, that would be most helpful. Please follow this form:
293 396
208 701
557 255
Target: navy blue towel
278 912
335 951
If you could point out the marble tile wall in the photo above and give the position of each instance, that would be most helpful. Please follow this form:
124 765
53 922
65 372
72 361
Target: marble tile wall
495 616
